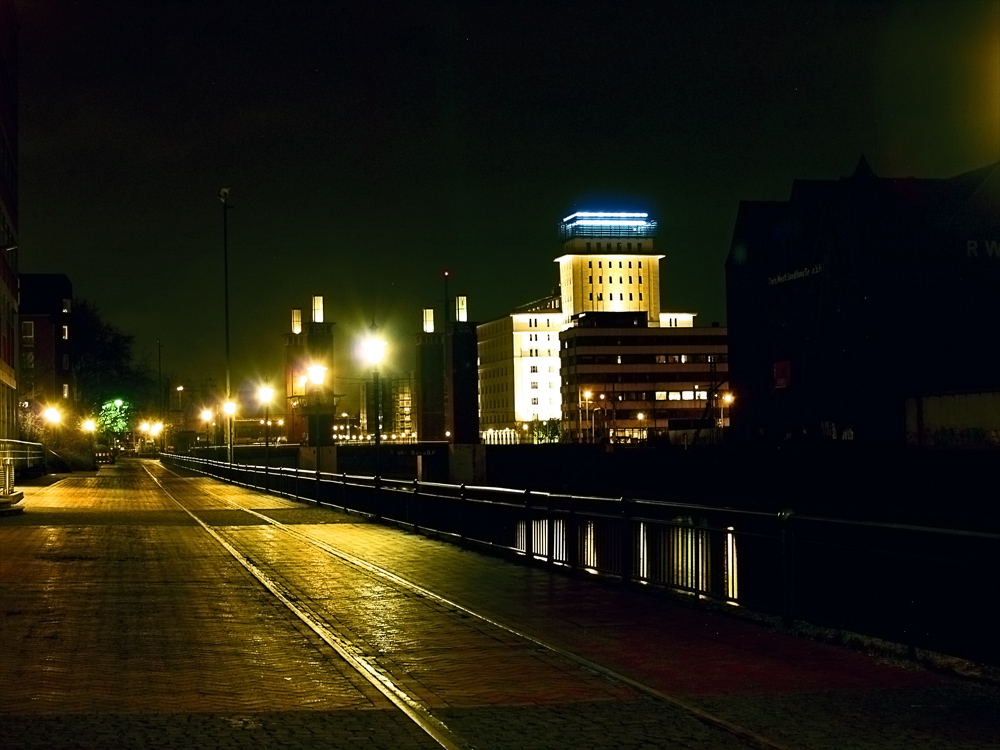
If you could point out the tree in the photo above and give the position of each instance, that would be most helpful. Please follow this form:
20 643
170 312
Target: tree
105 365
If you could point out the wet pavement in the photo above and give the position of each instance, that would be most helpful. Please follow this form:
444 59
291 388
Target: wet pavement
140 608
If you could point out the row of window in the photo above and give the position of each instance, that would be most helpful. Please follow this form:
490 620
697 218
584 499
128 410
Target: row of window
611 296
611 279
28 332
552 368
611 263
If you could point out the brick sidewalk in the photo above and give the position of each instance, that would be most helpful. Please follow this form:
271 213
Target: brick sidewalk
209 655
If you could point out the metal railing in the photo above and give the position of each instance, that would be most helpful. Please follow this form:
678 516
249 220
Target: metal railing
18 455
913 585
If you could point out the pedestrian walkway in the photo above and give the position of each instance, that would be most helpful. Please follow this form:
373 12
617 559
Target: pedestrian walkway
125 624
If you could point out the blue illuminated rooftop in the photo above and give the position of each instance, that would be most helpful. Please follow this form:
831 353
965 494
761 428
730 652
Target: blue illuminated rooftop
607 224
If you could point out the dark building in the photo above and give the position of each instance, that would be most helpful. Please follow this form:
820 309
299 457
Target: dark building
8 222
47 337
311 403
857 299
446 387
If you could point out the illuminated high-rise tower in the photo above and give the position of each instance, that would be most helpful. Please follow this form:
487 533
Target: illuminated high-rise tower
609 264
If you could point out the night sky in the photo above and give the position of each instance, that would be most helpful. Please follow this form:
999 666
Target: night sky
369 148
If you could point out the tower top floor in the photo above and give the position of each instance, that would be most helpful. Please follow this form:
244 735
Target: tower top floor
607 224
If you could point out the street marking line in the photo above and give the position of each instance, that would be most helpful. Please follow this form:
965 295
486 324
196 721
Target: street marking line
410 706
702 715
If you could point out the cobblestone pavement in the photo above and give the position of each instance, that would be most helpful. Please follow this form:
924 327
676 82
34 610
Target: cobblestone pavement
125 624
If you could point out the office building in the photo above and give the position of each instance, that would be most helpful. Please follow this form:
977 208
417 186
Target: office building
858 301
47 337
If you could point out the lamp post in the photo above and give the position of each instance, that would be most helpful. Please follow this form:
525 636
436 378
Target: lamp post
640 424
224 197
265 394
374 350
230 409
586 396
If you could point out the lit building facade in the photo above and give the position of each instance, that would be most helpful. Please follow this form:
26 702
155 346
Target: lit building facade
9 364
647 372
519 367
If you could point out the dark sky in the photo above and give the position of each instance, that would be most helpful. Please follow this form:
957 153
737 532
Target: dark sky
370 146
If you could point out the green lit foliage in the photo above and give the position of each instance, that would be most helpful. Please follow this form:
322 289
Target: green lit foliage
113 418
545 432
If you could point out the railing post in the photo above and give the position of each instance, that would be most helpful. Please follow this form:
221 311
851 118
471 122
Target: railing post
463 515
550 528
343 491
528 530
572 536
787 567
627 542
413 510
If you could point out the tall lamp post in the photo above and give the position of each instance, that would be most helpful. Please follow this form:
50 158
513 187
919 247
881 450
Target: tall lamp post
265 394
586 396
374 350
224 198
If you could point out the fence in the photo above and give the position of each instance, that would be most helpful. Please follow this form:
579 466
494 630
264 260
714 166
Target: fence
914 585
18 455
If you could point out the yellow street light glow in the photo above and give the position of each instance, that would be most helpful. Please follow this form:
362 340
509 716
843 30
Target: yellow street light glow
52 415
266 394
89 425
229 408
587 395
144 427
374 350
317 373
206 415
728 398
180 387
640 415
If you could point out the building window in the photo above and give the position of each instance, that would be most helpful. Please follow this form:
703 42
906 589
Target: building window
590 279
534 384
534 401
640 264
621 297
600 279
630 296
674 396
640 279
65 333
661 359
600 297
687 395
661 395
640 296
640 250
65 362
599 264
534 368
65 390
590 264
588 247
27 333
28 359
67 306
629 279
701 395
591 296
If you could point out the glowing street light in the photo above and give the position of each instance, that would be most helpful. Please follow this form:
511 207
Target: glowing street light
53 415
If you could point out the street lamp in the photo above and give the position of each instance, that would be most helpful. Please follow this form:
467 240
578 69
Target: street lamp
206 417
230 409
374 350
265 394
586 396
224 197
640 424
